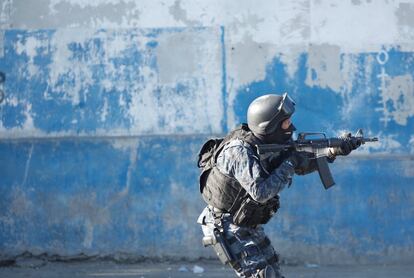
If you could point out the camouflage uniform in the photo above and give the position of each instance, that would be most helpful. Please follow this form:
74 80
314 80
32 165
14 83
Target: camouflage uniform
249 246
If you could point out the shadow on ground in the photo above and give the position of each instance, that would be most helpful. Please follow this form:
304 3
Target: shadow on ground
203 268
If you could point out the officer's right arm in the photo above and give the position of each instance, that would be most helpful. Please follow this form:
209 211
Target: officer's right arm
238 160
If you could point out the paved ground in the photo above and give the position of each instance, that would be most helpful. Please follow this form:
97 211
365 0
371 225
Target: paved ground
90 269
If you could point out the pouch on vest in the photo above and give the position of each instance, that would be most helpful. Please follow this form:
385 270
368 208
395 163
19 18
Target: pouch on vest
207 151
252 213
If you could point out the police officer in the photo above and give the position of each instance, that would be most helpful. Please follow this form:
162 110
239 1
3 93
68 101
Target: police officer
241 188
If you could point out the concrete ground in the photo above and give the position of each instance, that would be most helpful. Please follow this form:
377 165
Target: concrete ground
90 269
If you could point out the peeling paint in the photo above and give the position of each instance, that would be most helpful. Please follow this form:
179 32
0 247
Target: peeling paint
65 66
353 33
411 142
1 43
290 57
244 71
291 22
87 242
104 111
32 47
405 16
324 67
177 55
408 171
26 170
68 13
127 144
398 99
20 205
97 72
180 14
85 206
5 7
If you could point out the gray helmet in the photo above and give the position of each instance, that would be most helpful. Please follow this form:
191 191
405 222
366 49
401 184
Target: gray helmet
266 113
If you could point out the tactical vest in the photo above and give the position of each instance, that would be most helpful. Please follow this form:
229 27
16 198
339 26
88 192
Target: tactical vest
224 192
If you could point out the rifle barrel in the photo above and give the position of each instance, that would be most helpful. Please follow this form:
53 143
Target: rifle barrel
373 139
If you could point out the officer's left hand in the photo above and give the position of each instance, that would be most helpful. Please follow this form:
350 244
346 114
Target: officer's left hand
347 146
298 160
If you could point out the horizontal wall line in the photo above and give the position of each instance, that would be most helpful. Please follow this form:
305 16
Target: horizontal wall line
381 156
106 137
365 156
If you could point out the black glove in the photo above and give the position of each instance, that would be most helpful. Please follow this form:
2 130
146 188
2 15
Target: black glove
298 160
347 146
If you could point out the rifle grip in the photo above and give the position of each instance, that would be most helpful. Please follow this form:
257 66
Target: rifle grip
324 172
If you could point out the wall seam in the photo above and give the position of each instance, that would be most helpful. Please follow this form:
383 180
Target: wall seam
224 81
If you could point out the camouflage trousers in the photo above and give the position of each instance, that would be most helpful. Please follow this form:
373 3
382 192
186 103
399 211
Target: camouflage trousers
250 250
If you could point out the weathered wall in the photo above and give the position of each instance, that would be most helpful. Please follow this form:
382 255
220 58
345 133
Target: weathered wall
106 105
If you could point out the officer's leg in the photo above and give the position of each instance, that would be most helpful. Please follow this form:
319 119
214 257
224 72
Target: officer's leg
267 272
253 252
248 251
272 258
214 237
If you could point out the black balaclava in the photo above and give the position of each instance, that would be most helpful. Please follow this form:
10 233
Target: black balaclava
280 136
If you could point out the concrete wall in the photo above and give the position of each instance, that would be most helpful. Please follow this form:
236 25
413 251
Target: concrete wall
107 103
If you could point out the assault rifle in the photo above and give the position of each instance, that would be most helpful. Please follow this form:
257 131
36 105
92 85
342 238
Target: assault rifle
319 147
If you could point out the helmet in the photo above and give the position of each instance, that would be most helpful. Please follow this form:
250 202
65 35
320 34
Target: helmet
266 113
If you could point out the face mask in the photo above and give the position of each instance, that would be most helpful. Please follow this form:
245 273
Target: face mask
280 136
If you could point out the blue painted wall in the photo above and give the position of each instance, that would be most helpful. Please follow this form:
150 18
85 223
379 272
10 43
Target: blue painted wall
99 142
